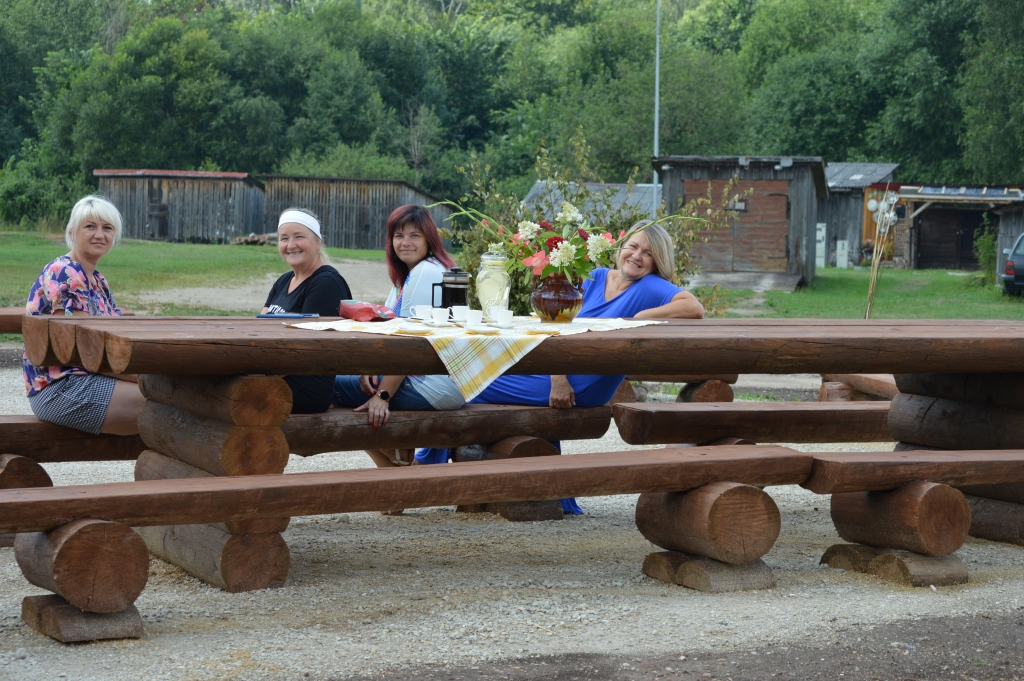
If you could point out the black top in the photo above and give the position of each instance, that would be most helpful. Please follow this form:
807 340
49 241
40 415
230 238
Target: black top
321 294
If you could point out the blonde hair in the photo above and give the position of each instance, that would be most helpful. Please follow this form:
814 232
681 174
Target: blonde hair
662 249
92 207
324 257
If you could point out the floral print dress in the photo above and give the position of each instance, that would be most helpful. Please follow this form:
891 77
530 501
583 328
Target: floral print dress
62 288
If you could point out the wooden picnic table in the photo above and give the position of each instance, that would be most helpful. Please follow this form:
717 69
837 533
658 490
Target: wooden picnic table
228 346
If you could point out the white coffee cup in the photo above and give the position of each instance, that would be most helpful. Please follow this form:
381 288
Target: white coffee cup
502 318
422 311
493 310
439 315
474 317
459 312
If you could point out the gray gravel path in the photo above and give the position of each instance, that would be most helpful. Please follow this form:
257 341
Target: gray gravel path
369 594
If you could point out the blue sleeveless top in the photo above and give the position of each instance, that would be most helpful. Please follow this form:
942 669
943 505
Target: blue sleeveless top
649 292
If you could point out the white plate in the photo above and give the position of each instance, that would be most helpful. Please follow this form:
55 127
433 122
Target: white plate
436 325
482 329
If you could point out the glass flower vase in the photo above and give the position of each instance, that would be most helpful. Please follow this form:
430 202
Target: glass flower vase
556 299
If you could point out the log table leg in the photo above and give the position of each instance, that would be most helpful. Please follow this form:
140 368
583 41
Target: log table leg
58 619
512 448
201 426
95 565
715 534
706 391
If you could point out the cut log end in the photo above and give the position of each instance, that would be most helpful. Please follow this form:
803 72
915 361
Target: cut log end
924 517
58 619
95 565
708 391
21 471
913 569
726 521
706 574
853 557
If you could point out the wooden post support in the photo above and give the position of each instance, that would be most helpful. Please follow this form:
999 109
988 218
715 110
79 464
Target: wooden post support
997 520
708 391
213 446
239 400
853 557
624 393
834 391
7 539
924 517
879 385
155 466
1013 492
97 566
913 569
55 617
955 425
511 448
706 574
21 471
993 390
726 521
234 562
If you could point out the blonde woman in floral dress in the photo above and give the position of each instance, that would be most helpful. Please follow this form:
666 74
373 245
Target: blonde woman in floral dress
72 286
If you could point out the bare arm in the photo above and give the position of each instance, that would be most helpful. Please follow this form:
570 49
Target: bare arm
682 306
562 395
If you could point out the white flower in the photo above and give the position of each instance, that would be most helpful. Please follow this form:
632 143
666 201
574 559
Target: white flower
496 247
570 213
528 229
596 245
563 255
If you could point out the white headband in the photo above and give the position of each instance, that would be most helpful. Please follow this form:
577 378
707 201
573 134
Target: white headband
302 218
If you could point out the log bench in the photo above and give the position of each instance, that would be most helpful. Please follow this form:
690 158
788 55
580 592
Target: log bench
650 423
10 319
48 443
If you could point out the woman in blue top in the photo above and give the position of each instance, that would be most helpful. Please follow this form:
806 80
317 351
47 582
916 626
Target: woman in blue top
641 287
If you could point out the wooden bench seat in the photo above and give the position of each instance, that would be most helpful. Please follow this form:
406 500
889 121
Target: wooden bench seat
222 499
650 423
48 443
344 430
10 319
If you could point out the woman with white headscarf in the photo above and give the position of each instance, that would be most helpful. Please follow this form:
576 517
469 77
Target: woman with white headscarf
312 286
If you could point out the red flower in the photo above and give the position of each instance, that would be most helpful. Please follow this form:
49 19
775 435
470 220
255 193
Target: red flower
501 230
553 241
544 224
608 235
622 234
583 234
485 222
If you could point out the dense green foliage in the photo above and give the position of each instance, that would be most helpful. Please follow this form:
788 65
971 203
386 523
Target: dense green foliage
411 89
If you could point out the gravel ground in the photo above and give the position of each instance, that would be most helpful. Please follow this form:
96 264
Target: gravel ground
370 595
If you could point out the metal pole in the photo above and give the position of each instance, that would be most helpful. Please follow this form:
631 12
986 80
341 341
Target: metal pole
657 103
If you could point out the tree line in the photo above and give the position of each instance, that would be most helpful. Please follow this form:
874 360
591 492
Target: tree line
416 89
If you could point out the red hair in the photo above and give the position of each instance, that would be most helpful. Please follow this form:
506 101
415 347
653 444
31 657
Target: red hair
419 217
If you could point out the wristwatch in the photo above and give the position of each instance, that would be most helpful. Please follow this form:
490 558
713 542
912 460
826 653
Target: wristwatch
384 395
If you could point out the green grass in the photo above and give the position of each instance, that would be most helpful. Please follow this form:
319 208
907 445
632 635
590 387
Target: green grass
900 294
136 266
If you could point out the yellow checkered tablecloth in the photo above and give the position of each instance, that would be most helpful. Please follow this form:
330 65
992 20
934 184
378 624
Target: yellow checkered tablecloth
474 360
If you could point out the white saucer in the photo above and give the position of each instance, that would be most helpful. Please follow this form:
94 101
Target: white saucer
436 325
483 329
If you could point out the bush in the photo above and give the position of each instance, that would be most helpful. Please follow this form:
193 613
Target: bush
985 250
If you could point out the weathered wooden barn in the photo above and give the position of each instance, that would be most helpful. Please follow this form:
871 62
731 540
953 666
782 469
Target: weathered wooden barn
184 205
1011 226
943 222
775 232
352 212
844 212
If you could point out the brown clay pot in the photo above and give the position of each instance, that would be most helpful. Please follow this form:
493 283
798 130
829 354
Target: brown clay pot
556 299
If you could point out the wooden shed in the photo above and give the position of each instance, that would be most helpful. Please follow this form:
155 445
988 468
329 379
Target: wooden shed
775 232
353 212
1011 226
843 212
185 205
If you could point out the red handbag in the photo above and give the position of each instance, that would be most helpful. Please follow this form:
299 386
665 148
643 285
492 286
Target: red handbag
365 312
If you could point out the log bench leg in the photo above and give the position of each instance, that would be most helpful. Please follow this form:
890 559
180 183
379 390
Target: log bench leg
512 448
58 619
902 567
17 472
706 391
715 536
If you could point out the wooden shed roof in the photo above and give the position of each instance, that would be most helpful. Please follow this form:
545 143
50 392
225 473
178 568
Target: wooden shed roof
857 175
184 174
778 163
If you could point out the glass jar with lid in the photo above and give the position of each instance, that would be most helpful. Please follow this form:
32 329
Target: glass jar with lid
492 282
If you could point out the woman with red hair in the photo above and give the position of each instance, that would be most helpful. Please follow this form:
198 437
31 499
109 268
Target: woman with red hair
416 260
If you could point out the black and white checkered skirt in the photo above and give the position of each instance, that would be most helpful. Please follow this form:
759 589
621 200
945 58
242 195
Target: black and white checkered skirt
75 402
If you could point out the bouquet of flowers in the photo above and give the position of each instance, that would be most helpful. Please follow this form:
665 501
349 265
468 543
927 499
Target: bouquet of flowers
570 246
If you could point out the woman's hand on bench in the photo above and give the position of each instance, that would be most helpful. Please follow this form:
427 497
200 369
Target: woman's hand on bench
562 394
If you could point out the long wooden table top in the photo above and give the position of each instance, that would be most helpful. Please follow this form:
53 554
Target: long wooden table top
218 345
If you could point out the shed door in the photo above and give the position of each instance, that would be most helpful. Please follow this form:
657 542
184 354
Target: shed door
946 239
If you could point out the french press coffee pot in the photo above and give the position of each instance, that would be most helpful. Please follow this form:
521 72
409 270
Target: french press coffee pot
454 289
